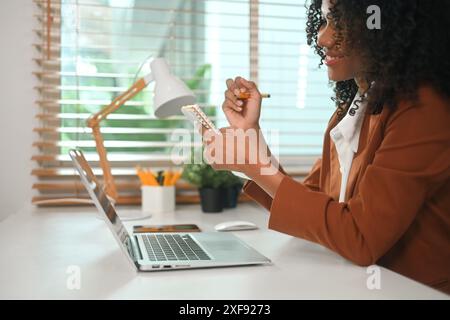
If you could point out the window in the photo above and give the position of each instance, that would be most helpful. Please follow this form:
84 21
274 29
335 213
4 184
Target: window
91 50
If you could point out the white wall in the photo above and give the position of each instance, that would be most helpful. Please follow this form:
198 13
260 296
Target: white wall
17 108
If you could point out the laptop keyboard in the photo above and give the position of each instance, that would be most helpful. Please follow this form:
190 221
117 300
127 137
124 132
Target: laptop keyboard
168 247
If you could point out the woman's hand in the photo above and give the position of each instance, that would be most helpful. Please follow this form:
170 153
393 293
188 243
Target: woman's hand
242 146
223 151
242 113
239 150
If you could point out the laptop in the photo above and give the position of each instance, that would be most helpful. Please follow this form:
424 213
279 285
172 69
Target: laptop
166 251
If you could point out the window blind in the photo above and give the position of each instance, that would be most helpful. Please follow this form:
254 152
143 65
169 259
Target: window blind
90 51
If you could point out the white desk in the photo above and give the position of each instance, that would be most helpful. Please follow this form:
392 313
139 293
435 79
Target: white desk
38 246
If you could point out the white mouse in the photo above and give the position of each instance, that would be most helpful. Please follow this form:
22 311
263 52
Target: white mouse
235 225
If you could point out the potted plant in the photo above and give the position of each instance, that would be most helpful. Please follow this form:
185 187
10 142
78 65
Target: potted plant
231 186
209 183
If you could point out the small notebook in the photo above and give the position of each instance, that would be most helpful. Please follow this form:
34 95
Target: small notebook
194 114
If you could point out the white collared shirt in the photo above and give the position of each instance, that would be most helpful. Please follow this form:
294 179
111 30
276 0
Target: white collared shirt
345 136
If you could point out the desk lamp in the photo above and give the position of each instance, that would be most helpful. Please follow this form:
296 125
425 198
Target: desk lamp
170 94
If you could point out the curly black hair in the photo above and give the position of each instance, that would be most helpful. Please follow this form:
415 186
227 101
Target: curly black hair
408 51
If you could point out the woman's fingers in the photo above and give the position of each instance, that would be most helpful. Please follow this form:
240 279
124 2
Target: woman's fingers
241 82
209 136
217 148
232 94
232 102
247 85
232 97
235 87
231 85
232 88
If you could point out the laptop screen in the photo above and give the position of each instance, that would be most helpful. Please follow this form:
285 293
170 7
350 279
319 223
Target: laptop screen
98 195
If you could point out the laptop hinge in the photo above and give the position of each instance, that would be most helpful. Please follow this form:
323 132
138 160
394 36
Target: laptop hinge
132 250
137 248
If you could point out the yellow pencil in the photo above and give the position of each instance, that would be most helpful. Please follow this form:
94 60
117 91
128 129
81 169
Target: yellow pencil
140 175
175 177
167 178
147 178
246 95
151 178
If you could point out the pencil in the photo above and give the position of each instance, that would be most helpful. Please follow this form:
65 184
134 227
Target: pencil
175 177
246 95
147 178
167 178
151 178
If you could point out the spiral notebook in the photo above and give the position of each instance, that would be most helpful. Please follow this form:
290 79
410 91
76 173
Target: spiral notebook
195 114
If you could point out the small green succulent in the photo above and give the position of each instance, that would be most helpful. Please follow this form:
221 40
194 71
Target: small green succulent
204 176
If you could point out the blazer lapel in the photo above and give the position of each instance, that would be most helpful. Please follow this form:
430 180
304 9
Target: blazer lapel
325 170
371 124
369 142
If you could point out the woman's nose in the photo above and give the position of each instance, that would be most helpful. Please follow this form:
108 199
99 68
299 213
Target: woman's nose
325 37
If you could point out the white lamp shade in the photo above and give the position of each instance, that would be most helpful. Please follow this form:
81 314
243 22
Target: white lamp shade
170 93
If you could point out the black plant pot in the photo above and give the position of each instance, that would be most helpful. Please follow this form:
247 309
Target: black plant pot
211 199
231 195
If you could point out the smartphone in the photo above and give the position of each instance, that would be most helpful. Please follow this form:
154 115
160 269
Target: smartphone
166 228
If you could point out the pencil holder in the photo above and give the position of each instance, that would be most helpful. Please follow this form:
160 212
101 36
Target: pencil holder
158 199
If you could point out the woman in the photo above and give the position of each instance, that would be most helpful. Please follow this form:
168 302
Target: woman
381 191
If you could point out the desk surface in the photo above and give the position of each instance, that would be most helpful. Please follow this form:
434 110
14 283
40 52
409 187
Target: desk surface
38 246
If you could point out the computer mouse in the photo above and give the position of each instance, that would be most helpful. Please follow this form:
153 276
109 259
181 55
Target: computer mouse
235 226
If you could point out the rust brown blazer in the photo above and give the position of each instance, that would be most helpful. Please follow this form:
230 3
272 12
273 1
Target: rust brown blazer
397 211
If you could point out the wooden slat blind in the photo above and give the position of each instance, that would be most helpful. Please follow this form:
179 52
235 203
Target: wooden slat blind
89 51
